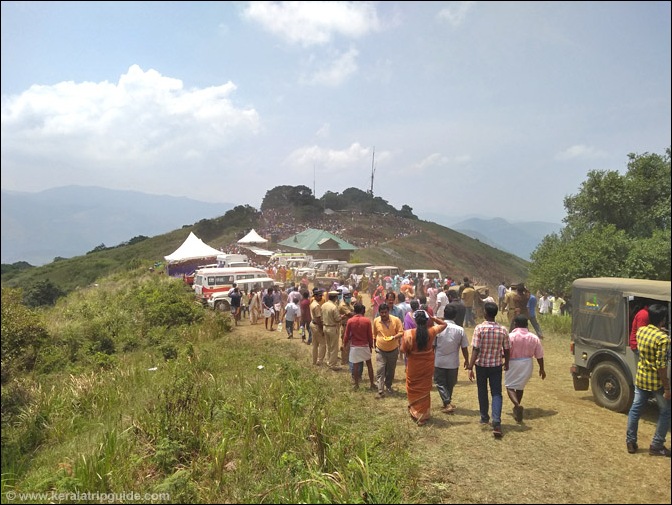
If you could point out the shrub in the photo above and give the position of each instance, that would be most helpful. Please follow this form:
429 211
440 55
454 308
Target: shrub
23 334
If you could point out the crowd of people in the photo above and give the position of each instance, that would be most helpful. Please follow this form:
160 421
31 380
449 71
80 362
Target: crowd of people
424 330
428 337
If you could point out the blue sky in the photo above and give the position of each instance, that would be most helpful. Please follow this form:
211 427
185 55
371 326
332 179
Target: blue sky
491 108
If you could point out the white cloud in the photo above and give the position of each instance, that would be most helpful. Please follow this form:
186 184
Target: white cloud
437 161
337 71
580 152
323 131
352 159
456 12
143 125
314 23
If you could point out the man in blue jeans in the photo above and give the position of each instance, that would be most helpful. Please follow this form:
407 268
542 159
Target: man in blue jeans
652 380
489 342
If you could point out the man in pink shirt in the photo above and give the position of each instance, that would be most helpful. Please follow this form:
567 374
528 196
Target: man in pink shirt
524 347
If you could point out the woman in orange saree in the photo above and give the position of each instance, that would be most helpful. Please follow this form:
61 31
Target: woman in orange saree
418 344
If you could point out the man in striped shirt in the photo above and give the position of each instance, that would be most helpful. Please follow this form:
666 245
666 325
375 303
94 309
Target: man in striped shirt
489 342
652 380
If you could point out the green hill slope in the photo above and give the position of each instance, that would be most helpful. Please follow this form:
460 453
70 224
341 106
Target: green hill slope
381 239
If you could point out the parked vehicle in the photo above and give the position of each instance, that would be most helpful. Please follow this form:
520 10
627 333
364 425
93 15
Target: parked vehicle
212 280
320 267
602 312
296 263
347 269
221 300
423 274
284 258
189 278
233 260
381 271
328 268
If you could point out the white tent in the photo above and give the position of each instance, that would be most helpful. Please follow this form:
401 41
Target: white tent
252 238
192 248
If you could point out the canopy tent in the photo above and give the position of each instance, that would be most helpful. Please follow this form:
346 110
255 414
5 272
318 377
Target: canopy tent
192 253
252 238
258 250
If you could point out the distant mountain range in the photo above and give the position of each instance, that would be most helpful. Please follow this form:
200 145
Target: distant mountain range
519 238
72 220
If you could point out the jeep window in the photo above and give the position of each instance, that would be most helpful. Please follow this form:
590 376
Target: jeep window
598 303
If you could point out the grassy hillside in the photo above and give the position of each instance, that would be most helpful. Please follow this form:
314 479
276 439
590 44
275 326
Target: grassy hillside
133 388
406 243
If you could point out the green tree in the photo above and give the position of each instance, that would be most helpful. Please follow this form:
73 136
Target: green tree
284 196
637 202
616 226
42 293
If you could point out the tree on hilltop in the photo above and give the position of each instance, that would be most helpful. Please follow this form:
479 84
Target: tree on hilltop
616 226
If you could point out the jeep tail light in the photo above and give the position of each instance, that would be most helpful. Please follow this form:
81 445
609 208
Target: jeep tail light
571 347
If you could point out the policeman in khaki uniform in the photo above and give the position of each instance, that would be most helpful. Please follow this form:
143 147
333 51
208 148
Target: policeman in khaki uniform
317 327
332 321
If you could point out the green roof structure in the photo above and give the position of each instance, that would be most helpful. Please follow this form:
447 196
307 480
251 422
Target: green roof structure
311 239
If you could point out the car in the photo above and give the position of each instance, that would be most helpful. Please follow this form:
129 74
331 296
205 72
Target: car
602 312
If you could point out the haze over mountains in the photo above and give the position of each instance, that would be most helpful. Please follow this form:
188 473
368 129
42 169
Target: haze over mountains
520 237
72 220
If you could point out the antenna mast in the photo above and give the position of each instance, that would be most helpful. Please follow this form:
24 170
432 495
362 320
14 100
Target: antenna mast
314 195
373 169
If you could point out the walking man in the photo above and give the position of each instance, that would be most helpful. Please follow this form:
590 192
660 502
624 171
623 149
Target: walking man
489 342
532 311
387 333
447 349
524 347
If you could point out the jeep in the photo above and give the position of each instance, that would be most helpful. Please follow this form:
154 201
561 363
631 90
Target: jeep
602 312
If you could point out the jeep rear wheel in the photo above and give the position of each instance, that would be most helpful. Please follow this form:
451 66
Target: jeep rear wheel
222 305
610 387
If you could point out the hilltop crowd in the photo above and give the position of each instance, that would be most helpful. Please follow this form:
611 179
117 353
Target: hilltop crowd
420 325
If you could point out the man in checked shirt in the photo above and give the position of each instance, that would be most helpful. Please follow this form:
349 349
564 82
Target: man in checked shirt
652 380
489 342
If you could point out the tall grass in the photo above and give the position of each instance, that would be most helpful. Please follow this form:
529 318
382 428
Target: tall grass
204 423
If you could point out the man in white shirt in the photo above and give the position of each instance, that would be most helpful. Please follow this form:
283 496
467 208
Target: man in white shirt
441 301
447 348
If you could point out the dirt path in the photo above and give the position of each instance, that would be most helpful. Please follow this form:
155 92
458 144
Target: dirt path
567 450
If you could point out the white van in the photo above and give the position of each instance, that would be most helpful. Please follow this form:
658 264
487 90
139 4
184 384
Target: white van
424 274
221 301
212 280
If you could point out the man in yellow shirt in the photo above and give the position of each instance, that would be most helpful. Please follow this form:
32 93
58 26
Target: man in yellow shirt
468 294
387 333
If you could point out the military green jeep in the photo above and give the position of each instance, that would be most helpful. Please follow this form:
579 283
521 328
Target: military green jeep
602 312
